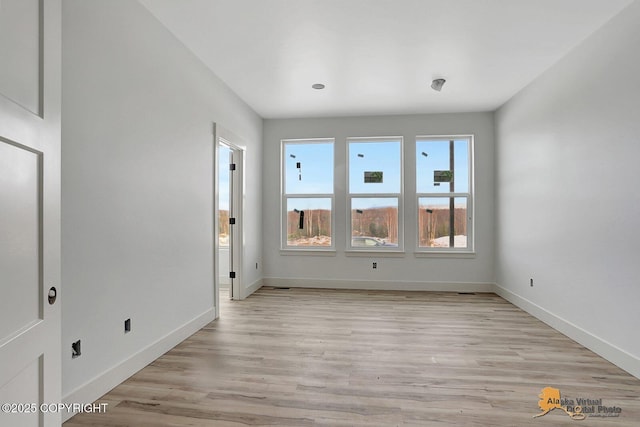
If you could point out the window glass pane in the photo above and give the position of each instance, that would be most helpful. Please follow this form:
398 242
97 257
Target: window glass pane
434 219
374 167
433 157
374 222
223 195
308 168
308 221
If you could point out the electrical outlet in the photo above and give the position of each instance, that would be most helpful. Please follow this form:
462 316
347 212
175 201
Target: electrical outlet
375 265
75 349
531 282
127 326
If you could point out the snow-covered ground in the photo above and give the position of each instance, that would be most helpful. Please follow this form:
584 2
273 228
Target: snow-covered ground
443 242
311 241
440 242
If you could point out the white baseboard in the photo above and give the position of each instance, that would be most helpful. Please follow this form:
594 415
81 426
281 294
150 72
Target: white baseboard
384 285
94 389
103 383
613 354
253 287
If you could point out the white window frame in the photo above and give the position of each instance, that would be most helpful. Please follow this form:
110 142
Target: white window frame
469 196
350 196
284 197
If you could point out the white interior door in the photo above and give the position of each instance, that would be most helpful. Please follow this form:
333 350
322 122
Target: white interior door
236 239
29 212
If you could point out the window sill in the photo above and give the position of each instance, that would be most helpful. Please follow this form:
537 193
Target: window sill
444 254
375 253
312 252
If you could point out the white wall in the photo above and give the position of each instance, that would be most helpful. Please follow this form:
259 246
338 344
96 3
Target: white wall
137 178
406 272
223 266
568 202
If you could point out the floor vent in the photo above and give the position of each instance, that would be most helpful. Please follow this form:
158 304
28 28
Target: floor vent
466 293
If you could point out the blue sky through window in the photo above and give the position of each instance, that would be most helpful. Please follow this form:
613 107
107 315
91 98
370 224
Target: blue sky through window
223 177
437 158
315 175
379 156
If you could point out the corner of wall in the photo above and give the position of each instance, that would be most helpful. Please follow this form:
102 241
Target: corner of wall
601 347
253 287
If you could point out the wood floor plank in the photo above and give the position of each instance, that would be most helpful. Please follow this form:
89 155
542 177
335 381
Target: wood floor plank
309 357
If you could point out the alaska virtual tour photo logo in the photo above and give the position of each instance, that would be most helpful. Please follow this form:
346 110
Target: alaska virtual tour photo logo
578 409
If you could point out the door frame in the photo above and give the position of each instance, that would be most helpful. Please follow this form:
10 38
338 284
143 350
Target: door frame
228 138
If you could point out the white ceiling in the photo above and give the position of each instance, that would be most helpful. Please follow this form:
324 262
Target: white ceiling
379 56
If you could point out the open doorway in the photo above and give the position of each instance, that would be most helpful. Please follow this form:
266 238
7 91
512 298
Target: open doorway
229 167
224 213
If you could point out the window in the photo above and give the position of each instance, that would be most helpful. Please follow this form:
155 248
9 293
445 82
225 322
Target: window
224 175
375 193
307 194
444 193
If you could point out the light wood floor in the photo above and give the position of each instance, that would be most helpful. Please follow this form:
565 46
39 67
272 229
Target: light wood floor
303 357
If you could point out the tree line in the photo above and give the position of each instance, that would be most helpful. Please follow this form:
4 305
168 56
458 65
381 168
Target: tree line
435 223
316 222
